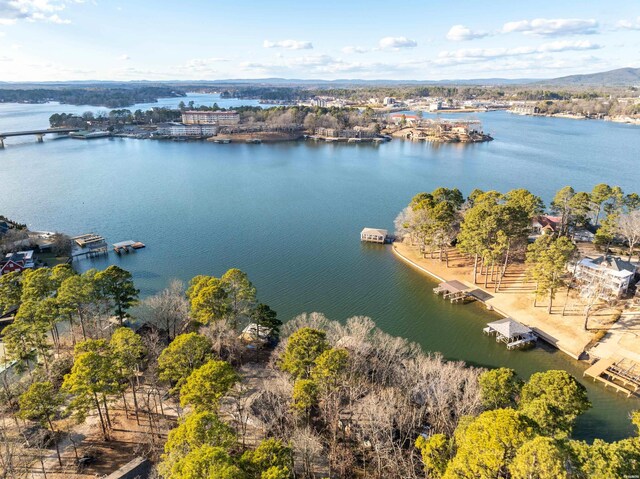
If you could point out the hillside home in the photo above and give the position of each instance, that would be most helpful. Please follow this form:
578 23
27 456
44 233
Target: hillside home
607 276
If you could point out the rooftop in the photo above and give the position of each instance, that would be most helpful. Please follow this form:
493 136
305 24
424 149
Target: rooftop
613 264
201 112
374 231
454 286
509 328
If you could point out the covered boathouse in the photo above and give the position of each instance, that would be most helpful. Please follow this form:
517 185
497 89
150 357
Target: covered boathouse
510 332
373 235
453 290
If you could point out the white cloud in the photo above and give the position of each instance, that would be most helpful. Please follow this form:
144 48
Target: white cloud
629 24
288 44
565 45
353 49
460 33
326 65
124 57
12 11
470 55
552 27
201 62
397 43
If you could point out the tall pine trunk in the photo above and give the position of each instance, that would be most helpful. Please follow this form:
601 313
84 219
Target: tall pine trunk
102 424
106 410
55 440
475 269
135 401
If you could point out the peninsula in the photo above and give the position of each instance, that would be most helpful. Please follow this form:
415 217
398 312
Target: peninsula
569 277
280 123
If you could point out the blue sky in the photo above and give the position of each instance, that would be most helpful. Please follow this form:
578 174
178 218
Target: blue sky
205 40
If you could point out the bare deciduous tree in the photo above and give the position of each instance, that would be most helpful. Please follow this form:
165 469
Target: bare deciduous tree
168 310
629 228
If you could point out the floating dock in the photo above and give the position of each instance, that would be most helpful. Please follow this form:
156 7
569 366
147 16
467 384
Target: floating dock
127 246
89 135
622 375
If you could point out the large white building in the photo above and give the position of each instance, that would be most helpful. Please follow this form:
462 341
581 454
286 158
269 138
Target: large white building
607 276
222 118
180 130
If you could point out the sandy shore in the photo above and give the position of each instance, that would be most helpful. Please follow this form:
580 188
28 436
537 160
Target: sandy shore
515 299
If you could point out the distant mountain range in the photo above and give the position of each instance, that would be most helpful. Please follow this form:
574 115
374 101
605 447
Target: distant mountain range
613 78
619 77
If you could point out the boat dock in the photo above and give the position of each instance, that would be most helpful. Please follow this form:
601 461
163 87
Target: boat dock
622 375
453 290
127 246
374 235
512 333
90 244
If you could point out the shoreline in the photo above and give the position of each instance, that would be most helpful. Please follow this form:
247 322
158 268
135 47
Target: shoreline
570 116
573 347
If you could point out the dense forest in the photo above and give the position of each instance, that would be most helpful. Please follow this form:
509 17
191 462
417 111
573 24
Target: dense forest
208 397
101 96
296 117
457 92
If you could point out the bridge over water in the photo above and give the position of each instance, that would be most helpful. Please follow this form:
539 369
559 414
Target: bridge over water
39 134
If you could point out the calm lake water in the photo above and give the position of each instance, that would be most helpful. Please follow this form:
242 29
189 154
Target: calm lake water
290 214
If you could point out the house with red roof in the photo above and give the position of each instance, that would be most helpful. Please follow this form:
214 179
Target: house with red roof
16 262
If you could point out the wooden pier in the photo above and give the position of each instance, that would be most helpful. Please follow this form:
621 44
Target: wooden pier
87 240
90 245
622 375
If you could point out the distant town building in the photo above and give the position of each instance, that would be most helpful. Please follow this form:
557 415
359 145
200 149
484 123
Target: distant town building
388 100
607 276
320 102
16 262
180 130
525 109
222 118
435 106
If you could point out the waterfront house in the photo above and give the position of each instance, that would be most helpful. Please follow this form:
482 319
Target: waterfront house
545 225
222 118
409 120
608 277
16 262
373 235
